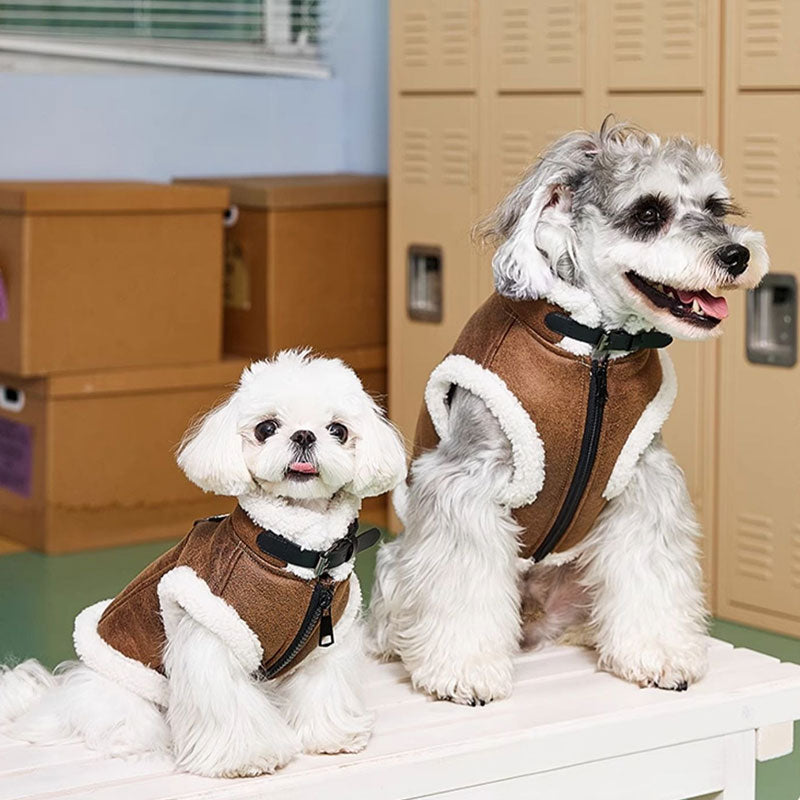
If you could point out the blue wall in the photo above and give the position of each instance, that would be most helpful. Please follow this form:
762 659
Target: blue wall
157 125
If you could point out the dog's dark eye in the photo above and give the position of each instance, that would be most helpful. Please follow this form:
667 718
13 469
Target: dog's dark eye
338 431
649 216
265 429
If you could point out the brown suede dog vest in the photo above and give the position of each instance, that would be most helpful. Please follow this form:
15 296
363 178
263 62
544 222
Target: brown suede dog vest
273 603
563 396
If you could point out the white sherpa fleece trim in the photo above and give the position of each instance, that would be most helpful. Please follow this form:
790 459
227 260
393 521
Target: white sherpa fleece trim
96 653
182 590
578 303
649 424
526 444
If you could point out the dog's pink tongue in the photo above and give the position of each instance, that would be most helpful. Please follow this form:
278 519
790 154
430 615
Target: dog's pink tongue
303 466
716 307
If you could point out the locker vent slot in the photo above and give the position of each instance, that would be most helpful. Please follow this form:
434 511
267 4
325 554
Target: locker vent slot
456 157
762 28
628 30
754 547
795 559
680 29
416 155
515 35
561 33
416 39
515 156
455 37
425 283
761 159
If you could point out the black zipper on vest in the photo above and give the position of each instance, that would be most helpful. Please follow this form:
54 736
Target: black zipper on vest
598 395
319 610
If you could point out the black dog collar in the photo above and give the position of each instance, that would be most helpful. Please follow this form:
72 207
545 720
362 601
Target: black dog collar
340 552
602 340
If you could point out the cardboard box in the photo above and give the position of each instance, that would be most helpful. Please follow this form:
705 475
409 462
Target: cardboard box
109 275
305 263
88 459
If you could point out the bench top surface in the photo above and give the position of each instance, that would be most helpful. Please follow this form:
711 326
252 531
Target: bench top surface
563 712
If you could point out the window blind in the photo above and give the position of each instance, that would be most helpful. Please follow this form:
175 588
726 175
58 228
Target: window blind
250 28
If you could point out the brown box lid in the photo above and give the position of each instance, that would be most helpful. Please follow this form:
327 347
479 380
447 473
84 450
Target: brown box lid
24 197
137 380
300 191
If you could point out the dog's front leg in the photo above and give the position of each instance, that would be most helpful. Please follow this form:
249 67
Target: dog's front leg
223 723
323 699
643 572
455 616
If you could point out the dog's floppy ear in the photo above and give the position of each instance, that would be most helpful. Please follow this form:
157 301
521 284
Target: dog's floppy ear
521 269
533 223
380 454
211 452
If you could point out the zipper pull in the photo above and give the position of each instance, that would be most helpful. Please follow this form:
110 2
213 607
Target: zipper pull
325 621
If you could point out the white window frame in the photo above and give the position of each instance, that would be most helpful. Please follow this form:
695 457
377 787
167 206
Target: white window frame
276 56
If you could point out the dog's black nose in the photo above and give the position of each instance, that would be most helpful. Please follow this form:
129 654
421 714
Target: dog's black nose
734 258
303 438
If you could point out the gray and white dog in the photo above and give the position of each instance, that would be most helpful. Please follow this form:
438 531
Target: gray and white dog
622 230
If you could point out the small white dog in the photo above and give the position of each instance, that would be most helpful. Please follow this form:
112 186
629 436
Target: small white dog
540 436
211 653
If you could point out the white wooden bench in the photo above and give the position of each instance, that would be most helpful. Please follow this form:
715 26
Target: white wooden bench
568 731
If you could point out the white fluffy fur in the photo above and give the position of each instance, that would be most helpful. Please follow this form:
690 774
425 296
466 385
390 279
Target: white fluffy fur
447 597
209 711
648 615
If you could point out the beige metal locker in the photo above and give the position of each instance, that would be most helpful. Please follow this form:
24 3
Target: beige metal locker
759 476
766 35
537 44
434 45
654 44
433 195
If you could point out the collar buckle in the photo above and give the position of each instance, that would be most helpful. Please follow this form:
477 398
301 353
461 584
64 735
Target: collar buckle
340 552
602 346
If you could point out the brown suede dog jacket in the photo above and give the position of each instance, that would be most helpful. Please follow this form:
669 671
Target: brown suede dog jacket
577 424
218 574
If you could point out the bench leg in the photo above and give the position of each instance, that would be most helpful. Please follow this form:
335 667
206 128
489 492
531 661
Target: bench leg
740 768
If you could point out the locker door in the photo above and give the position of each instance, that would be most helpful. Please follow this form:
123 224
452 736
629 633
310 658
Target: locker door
655 44
537 44
759 532
768 37
434 45
433 207
524 126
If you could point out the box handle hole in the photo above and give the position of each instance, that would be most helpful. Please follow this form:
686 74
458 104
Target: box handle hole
11 398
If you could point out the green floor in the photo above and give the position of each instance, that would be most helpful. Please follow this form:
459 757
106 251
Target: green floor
40 595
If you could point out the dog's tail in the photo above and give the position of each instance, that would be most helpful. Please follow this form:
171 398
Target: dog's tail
21 687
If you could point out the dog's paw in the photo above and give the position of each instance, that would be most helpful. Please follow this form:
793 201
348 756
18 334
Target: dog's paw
475 682
350 734
353 742
238 765
658 666
246 757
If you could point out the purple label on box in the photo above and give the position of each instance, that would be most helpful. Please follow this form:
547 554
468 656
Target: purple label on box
3 299
16 456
